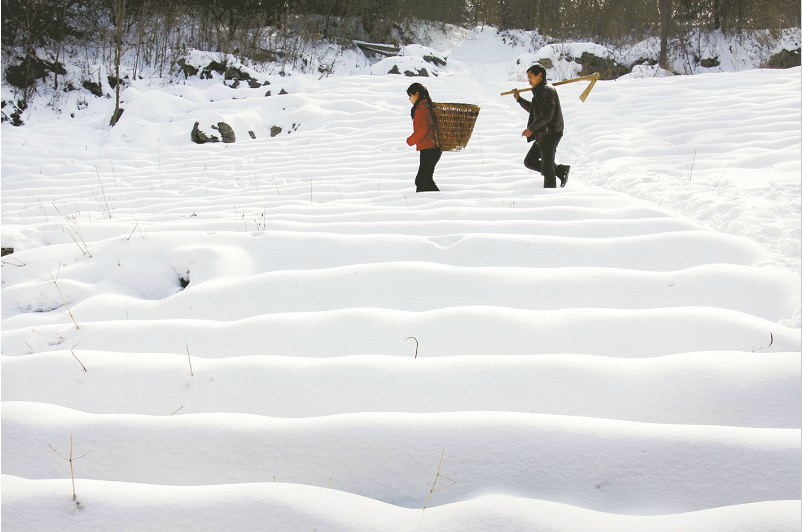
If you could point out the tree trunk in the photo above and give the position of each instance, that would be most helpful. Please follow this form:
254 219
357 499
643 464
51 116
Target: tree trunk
665 20
119 14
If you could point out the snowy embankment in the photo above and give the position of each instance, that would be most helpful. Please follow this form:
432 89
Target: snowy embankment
586 359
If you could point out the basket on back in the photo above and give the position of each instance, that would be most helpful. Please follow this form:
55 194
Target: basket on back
455 123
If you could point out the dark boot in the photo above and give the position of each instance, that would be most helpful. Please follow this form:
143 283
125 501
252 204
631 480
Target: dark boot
563 175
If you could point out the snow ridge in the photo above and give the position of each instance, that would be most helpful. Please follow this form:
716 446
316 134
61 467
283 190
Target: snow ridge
279 333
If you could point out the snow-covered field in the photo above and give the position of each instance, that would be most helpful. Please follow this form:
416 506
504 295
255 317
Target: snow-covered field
622 354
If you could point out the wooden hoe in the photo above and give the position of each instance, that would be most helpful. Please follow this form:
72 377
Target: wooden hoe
593 78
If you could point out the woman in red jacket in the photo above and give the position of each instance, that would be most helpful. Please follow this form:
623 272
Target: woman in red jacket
423 136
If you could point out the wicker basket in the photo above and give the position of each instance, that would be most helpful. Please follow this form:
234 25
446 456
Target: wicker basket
455 123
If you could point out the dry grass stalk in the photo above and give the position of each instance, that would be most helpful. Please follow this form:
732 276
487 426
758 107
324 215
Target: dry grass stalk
71 459
54 280
416 344
191 374
76 358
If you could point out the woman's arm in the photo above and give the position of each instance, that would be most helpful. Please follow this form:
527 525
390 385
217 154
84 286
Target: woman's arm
420 125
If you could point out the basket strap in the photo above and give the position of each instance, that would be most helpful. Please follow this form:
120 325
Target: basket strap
434 127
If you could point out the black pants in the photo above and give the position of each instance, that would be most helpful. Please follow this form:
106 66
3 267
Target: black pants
424 181
541 159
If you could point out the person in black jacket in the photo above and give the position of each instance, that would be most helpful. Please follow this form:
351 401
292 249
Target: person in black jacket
545 128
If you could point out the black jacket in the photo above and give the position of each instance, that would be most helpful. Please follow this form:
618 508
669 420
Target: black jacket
545 113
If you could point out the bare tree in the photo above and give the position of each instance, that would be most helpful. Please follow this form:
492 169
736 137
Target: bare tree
665 20
119 18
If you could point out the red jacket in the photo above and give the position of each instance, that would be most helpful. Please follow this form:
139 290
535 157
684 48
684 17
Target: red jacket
423 128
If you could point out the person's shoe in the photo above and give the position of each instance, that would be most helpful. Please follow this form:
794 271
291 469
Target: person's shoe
564 178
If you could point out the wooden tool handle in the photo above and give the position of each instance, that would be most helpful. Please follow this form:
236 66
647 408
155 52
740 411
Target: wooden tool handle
519 90
590 77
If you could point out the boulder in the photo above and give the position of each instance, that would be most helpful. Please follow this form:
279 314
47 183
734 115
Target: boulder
710 62
14 114
30 69
92 87
186 68
213 66
607 67
275 130
409 73
434 60
784 59
226 132
199 137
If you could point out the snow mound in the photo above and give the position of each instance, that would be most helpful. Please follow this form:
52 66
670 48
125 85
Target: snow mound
43 504
408 65
647 71
562 61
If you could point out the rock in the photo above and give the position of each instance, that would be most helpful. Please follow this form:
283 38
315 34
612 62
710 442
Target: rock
607 67
710 62
214 66
233 72
226 132
645 61
282 91
30 69
113 81
93 87
434 60
6 251
252 83
275 130
422 72
16 113
199 137
186 68
252 134
267 93
394 70
784 59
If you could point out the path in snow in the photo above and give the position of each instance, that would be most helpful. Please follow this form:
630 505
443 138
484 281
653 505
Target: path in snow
584 357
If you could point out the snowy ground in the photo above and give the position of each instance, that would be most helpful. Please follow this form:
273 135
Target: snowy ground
621 354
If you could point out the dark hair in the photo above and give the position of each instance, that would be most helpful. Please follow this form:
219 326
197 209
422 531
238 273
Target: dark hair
423 94
536 69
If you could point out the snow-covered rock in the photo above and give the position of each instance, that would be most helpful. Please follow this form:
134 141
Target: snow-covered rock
404 65
647 71
565 61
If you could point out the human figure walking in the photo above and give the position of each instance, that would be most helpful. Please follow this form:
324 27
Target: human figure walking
423 137
544 128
